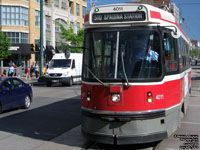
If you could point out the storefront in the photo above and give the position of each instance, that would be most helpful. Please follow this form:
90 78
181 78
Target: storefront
20 55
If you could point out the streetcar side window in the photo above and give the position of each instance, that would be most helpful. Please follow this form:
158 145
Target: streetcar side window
171 62
184 61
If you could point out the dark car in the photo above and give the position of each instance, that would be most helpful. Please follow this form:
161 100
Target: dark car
14 93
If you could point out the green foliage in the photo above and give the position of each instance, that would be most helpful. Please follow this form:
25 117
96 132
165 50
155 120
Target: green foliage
4 46
74 41
194 52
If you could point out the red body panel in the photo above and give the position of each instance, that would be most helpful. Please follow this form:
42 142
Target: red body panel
164 95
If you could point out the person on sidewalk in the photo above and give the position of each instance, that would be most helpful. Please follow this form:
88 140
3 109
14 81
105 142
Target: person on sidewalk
28 77
36 70
32 70
11 70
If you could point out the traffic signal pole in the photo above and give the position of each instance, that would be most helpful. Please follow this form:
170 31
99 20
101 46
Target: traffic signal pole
41 39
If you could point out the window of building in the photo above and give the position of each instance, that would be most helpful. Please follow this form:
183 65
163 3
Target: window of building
78 26
37 41
37 18
77 9
57 27
48 43
64 4
84 11
17 37
24 38
14 15
56 3
24 16
48 23
37 1
46 2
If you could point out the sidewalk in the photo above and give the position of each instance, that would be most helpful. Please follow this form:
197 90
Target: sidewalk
33 81
188 135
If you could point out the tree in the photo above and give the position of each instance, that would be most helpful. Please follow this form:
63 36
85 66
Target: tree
74 41
194 53
4 46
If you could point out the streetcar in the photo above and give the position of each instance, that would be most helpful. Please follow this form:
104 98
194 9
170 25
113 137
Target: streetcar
136 75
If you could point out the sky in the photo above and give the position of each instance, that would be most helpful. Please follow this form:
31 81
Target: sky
188 9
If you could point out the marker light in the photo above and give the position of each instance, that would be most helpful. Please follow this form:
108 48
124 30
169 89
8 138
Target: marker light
115 98
140 7
149 97
149 94
88 98
96 9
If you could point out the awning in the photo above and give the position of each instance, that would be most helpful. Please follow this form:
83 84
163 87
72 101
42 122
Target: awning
24 49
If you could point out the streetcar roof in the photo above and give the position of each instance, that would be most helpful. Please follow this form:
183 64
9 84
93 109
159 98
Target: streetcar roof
129 14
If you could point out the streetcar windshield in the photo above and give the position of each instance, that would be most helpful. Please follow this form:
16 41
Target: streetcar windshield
107 51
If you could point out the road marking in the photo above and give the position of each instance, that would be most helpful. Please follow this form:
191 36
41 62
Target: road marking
192 123
194 105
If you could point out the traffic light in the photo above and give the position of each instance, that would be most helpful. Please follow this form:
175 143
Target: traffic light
33 47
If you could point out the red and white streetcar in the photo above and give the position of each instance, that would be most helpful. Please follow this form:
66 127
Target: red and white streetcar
136 74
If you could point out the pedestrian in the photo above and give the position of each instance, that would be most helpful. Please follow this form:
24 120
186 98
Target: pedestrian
15 70
11 70
4 73
32 70
44 70
36 70
196 61
28 77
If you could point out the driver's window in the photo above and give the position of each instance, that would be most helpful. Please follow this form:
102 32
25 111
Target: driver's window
7 84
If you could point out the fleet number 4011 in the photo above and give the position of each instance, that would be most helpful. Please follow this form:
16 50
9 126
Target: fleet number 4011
117 8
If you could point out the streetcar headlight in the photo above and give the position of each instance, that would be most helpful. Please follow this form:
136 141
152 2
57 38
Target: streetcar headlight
115 98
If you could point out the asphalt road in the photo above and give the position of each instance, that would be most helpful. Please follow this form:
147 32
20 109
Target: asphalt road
53 122
54 110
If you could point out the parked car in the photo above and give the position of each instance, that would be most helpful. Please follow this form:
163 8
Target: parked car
14 93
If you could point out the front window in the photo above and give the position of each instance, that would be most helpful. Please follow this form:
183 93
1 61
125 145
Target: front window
116 54
60 63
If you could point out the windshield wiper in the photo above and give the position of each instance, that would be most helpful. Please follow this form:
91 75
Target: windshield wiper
128 85
96 77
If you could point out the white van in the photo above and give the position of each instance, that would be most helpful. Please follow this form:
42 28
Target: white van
64 70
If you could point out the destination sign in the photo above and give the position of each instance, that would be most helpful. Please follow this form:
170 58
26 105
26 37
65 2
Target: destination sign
118 17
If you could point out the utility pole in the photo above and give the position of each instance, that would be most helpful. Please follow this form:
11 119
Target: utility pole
41 39
92 3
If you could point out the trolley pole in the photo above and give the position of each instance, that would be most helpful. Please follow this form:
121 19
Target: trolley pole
41 39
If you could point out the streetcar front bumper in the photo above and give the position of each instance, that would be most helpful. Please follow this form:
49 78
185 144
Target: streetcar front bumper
123 130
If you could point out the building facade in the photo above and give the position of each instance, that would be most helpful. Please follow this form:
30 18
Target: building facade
20 21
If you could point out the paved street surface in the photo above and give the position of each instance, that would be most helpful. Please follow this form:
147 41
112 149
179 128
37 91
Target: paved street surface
53 122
